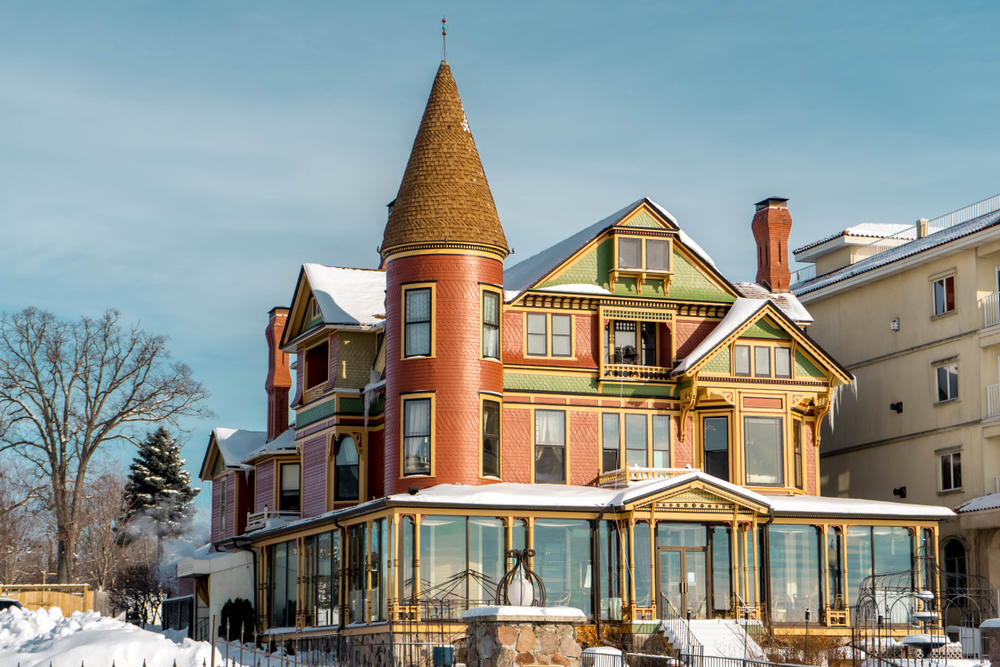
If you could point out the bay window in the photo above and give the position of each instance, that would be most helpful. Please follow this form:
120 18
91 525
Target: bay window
345 466
763 448
715 437
610 442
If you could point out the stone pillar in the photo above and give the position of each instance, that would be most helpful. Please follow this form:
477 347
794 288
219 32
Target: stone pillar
990 629
513 636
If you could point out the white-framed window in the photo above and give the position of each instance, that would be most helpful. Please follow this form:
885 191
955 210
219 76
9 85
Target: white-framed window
951 471
947 382
416 436
550 447
538 334
417 319
491 325
944 295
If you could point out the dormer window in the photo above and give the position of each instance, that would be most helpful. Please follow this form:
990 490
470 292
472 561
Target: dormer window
630 253
314 310
638 254
657 255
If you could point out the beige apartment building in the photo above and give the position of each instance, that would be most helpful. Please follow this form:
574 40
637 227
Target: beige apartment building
913 311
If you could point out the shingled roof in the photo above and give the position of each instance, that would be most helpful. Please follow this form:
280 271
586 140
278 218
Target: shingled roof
444 194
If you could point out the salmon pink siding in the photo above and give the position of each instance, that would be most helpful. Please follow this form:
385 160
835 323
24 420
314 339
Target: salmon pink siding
584 437
586 341
683 452
314 477
811 459
515 447
690 333
264 481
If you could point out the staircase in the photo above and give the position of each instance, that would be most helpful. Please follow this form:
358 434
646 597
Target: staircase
724 638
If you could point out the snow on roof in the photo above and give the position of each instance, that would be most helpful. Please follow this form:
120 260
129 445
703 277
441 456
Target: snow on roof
987 502
280 445
348 296
899 252
576 289
786 301
741 311
234 444
875 230
820 505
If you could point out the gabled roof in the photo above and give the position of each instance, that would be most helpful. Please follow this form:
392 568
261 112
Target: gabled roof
444 195
743 314
232 444
787 301
283 444
346 298
530 272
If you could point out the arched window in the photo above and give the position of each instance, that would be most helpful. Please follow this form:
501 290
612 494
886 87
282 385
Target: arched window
345 465
954 569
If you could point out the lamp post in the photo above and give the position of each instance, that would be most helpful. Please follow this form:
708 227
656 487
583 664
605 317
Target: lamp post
805 651
689 630
746 622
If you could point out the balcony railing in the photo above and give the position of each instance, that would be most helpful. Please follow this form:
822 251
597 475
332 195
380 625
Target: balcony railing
802 275
624 476
993 400
991 309
313 393
258 520
634 373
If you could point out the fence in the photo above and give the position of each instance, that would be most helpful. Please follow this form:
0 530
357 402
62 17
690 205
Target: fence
68 597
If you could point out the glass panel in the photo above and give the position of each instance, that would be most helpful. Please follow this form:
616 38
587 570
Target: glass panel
697 587
635 441
309 579
325 601
649 344
643 574
562 560
742 359
442 558
491 325
537 335
357 545
953 381
782 362
519 535
418 322
486 557
625 349
833 556
279 588
610 442
956 471
797 452
670 583
550 447
630 253
764 455
681 534
892 548
657 255
949 293
946 472
491 438
795 568
417 436
288 499
762 361
406 535
661 441
716 440
859 560
377 574
562 341
939 300
722 586
346 466
611 600
317 365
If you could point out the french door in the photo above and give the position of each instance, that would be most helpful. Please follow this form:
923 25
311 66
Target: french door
682 577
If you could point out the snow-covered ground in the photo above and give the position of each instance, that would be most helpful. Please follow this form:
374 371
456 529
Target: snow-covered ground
38 638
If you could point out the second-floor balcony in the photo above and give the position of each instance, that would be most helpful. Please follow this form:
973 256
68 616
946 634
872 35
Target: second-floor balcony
993 401
624 476
991 309
258 520
634 372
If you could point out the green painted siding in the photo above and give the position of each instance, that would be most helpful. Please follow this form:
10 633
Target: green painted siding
764 329
590 269
352 406
805 367
311 415
721 363
692 285
581 385
643 219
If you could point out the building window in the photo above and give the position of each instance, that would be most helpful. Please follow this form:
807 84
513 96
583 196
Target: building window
742 354
661 441
797 451
550 447
417 436
491 325
222 507
282 570
625 350
562 336
314 310
537 334
947 382
763 447
491 439
345 465
417 318
954 570
649 344
635 441
951 471
610 442
762 361
715 436
782 362
288 492
944 295
629 253
317 364
657 254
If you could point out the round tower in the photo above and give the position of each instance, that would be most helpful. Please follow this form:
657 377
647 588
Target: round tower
443 251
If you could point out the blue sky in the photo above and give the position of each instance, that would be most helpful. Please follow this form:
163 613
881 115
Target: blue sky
179 161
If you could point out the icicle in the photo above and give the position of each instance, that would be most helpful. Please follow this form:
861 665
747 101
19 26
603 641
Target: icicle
835 398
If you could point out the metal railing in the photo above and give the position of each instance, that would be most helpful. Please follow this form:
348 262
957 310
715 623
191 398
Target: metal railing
993 400
718 661
677 628
991 309
802 275
258 520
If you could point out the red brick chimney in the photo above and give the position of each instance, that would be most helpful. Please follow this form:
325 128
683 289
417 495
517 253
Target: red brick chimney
771 226
279 379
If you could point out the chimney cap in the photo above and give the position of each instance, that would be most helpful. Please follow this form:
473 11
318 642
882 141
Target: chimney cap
771 202
277 311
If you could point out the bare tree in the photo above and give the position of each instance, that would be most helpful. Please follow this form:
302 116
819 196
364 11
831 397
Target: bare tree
67 389
19 535
100 546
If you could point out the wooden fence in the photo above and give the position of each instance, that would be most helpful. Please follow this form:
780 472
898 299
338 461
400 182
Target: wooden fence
68 597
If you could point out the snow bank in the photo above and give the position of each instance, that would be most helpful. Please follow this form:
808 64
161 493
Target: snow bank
37 638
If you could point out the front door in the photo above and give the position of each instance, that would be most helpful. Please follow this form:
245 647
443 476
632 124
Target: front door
683 582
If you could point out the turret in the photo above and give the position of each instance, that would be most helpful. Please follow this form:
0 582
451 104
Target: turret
443 252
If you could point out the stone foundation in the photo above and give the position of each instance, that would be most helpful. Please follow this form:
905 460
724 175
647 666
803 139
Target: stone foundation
513 636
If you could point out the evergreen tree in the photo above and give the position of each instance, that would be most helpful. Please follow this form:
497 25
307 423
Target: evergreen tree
158 487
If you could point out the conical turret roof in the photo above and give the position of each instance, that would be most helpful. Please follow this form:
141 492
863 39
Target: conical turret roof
444 195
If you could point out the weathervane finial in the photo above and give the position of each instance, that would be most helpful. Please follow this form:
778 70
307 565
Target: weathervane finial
444 38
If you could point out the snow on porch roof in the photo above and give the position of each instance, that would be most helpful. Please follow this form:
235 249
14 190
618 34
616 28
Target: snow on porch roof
348 296
823 506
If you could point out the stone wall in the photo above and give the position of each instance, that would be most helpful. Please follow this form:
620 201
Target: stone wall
511 636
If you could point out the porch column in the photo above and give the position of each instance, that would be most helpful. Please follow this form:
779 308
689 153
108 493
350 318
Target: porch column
825 561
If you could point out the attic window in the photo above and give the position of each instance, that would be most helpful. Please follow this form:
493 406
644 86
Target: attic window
314 310
630 253
657 255
317 364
